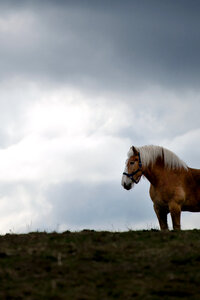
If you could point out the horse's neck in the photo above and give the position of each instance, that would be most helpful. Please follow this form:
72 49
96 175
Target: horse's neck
154 173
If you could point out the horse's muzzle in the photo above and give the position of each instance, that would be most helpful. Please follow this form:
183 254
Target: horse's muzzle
127 186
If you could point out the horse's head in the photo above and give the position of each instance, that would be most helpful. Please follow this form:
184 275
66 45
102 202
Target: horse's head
133 169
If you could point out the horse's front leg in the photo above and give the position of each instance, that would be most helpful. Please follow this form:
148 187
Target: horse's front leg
161 214
175 211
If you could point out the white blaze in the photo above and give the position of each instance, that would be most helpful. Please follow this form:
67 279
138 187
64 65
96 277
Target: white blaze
125 179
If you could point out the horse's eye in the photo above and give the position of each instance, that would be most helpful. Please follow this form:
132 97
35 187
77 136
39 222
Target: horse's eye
132 163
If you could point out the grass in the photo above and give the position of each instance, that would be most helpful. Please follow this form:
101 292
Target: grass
100 265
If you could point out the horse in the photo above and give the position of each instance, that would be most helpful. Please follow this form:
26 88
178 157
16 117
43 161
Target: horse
174 187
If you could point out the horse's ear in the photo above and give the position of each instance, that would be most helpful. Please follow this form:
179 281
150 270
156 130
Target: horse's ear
135 152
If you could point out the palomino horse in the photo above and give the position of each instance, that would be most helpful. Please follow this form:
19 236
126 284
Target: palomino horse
174 187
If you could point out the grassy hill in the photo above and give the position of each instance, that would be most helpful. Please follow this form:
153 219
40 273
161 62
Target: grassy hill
100 265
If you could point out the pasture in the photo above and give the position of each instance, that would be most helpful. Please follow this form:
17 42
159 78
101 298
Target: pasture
100 265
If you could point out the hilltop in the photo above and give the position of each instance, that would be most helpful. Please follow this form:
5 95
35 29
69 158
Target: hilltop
100 265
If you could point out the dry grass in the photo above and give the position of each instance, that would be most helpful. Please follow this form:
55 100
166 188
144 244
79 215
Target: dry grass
100 265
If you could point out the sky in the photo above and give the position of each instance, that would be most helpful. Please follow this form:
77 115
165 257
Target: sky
81 82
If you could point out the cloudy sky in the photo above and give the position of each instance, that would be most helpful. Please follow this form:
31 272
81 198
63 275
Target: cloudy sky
80 82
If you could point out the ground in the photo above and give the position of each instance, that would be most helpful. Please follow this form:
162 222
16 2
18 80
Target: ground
100 265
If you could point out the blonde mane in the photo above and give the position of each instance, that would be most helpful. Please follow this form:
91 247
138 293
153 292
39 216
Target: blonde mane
149 155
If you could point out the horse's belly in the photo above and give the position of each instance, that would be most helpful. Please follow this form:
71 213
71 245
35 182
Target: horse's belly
192 208
192 203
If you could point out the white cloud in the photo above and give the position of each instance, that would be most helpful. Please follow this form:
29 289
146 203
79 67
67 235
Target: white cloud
22 205
65 135
16 24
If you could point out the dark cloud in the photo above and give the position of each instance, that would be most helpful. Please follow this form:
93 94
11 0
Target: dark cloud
107 44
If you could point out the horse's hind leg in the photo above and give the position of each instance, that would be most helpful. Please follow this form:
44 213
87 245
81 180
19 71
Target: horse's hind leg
161 214
175 211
